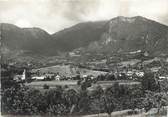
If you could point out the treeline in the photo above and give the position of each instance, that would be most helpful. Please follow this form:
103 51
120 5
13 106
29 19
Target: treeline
62 101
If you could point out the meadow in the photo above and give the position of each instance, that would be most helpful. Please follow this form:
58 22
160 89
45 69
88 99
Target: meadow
52 84
69 70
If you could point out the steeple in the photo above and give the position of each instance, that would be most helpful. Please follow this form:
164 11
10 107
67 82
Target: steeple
24 75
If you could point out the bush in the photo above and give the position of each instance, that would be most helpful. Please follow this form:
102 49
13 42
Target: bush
65 87
78 82
150 83
45 86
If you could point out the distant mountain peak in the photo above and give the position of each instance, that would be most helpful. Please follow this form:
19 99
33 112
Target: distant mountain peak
127 19
8 26
36 30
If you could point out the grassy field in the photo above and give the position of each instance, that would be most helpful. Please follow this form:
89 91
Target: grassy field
52 84
106 84
121 82
131 62
73 83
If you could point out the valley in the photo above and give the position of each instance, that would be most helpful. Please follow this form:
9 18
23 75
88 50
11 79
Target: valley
89 68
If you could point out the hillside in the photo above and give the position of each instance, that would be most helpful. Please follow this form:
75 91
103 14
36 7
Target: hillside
124 34
79 35
118 35
30 40
68 70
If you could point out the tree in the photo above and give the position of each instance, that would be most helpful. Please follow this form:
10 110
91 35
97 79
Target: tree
55 101
148 101
110 101
85 84
155 100
109 77
96 99
149 82
45 86
114 90
84 101
135 94
71 98
160 100
164 85
31 97
23 101
97 92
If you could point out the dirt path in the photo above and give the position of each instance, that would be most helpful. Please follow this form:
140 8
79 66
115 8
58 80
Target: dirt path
113 114
124 113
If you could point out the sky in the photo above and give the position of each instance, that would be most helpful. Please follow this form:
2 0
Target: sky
55 15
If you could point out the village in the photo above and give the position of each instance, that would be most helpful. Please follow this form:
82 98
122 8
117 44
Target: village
74 73
84 58
122 79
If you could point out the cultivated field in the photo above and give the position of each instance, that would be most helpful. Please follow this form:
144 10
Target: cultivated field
106 84
121 82
68 70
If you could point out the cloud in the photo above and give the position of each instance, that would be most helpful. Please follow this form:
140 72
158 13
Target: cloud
55 15
153 10
74 9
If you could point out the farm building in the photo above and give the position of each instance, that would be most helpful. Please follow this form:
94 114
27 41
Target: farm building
57 77
20 77
163 77
38 77
140 74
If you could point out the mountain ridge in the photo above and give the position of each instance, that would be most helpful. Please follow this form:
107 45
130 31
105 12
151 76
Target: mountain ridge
115 35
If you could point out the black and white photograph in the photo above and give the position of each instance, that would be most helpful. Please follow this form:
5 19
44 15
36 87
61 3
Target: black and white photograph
83 58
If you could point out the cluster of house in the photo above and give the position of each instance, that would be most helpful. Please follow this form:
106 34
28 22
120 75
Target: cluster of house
47 76
21 77
137 73
132 74
163 77
140 74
